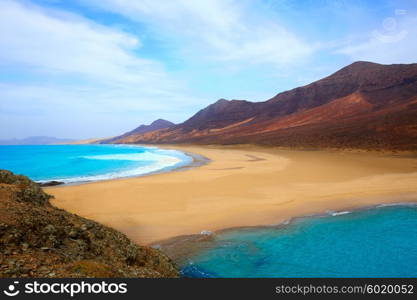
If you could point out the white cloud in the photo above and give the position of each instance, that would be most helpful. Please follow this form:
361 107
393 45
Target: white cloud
219 30
70 68
54 41
394 42
82 111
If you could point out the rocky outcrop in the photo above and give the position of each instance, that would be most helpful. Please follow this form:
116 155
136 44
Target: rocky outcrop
40 240
50 183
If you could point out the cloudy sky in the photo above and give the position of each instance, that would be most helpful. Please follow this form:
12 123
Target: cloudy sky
97 68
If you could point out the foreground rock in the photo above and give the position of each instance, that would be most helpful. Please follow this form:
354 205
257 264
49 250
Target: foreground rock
40 240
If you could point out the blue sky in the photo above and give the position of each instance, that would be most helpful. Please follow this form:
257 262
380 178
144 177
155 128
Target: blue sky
97 68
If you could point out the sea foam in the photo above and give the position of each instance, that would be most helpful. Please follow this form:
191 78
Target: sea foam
153 159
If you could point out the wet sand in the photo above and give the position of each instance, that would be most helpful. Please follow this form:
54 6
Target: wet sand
241 186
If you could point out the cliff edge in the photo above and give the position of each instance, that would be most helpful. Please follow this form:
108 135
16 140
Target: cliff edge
40 240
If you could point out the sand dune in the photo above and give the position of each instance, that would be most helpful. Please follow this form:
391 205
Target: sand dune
241 186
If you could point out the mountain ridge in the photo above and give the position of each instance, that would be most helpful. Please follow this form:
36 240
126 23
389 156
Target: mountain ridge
363 105
36 140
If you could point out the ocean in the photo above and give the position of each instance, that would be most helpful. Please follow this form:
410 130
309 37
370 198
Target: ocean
83 163
377 242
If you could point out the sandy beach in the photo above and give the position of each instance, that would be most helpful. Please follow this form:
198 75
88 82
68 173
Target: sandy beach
241 186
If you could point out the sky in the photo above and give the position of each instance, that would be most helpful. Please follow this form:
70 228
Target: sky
97 68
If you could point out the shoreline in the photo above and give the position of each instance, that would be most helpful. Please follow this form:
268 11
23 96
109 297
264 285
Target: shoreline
196 161
148 222
180 248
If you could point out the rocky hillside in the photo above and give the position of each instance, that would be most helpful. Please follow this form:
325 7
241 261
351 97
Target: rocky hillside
40 240
364 105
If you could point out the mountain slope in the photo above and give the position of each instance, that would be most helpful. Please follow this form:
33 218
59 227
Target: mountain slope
363 105
39 240
155 125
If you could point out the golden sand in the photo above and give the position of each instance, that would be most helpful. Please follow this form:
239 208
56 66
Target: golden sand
241 186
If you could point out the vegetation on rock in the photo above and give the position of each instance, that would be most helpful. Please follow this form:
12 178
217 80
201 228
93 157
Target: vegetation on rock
40 240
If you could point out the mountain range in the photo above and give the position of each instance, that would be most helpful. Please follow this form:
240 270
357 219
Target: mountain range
142 129
363 105
36 140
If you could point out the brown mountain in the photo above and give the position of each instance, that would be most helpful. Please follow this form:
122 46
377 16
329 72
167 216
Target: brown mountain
364 105
155 125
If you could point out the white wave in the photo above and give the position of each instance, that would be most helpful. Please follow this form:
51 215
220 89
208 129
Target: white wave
144 156
206 232
387 205
158 161
337 213
285 222
396 204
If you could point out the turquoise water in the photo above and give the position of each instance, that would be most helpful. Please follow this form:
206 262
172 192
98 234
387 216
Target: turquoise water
379 242
80 163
